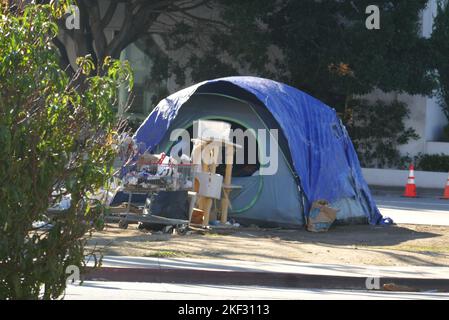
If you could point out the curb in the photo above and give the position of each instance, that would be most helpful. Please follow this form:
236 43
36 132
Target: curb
272 279
424 193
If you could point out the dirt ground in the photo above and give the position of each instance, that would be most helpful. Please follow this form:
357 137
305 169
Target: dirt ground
355 244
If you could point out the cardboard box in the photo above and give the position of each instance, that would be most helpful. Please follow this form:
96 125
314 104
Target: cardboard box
321 216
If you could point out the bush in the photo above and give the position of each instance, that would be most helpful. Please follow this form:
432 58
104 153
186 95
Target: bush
56 134
432 162
377 130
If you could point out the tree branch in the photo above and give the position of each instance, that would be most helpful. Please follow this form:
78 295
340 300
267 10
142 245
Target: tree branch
109 14
65 61
94 27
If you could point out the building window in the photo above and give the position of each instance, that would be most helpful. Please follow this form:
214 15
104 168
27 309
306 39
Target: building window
142 99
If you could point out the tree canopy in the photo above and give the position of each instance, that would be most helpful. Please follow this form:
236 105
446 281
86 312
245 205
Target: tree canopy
440 44
321 47
324 48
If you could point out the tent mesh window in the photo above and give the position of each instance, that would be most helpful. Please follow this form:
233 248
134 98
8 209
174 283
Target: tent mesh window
249 166
246 169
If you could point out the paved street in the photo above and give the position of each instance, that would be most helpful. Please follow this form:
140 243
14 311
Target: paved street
431 211
94 290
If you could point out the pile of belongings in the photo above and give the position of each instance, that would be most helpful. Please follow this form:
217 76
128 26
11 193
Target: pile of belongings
158 169
149 167
143 169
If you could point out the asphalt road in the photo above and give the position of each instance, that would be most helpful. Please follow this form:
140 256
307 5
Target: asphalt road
98 290
431 211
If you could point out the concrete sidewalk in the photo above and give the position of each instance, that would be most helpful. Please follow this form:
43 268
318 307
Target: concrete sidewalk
244 273
419 272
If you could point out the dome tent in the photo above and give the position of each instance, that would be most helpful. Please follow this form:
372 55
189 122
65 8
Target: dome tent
317 161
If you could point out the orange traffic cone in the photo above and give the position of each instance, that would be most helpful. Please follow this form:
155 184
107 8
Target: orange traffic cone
446 190
410 187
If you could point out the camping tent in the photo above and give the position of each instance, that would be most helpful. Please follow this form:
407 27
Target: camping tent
317 159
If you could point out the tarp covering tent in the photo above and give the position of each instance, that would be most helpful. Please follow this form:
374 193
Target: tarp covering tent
318 159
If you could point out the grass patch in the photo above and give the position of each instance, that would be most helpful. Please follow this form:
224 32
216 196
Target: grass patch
422 249
167 254
410 248
216 235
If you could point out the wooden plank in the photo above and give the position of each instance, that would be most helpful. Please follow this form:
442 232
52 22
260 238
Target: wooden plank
197 161
229 151
212 160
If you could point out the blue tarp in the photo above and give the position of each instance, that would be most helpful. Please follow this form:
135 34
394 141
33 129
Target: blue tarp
322 152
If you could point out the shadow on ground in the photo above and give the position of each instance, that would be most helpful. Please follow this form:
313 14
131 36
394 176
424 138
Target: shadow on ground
361 235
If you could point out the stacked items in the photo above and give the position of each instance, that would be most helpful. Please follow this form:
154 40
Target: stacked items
212 138
158 171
